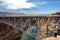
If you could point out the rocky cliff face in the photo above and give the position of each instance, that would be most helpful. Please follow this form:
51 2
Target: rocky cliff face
47 26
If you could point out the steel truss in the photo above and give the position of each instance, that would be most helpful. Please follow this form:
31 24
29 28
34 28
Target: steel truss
24 23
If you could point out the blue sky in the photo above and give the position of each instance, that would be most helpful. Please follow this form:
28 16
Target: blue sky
30 6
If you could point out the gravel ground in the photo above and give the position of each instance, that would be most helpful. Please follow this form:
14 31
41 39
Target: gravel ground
53 38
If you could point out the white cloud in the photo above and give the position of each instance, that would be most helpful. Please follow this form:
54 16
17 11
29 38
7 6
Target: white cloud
41 3
16 4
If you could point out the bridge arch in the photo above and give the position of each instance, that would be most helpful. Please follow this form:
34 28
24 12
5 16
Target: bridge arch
8 32
16 22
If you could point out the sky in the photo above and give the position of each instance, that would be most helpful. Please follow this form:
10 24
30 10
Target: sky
30 6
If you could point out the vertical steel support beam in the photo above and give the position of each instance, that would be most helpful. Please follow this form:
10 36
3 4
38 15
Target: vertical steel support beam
14 21
9 20
38 24
47 25
21 21
29 22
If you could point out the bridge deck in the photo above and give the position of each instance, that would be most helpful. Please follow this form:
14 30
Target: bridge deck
28 15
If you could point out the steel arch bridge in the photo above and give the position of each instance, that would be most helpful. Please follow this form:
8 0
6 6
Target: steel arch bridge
24 21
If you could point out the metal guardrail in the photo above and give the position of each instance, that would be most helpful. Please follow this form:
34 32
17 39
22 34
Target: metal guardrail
28 15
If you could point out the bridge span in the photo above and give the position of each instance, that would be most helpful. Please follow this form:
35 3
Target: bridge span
24 21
